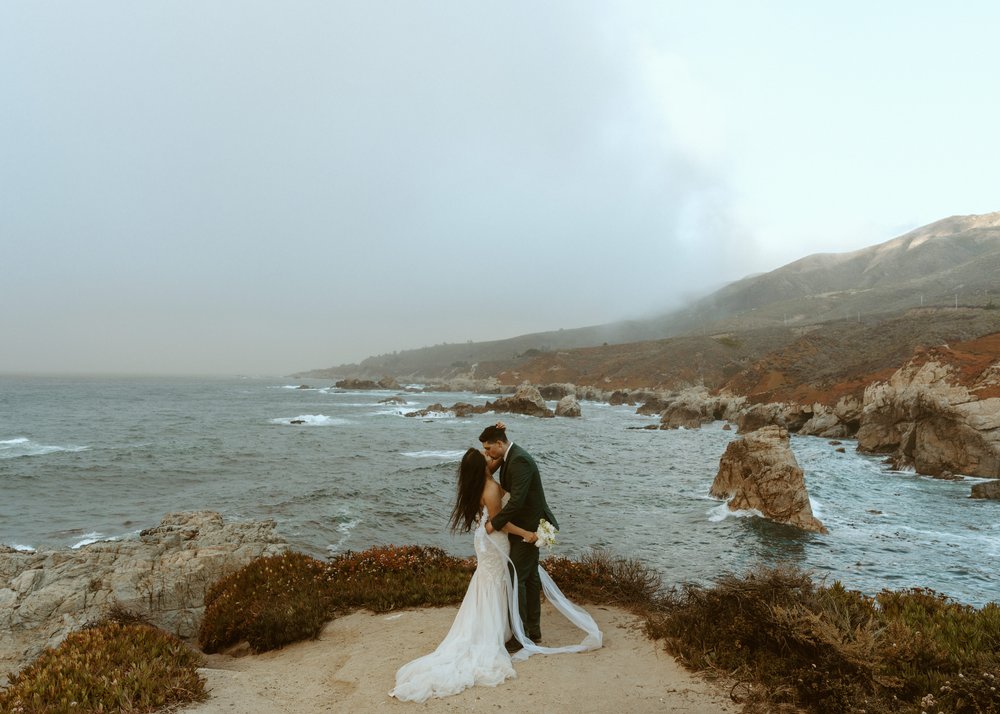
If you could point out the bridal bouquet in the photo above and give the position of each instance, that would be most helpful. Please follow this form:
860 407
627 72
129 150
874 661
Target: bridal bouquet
546 534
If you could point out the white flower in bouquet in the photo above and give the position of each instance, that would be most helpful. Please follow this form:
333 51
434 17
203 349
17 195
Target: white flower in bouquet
546 534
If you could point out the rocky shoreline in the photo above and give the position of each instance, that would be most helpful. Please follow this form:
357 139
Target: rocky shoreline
938 414
162 575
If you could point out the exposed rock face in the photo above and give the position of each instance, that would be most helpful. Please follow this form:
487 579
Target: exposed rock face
162 575
990 489
526 400
683 415
557 391
759 471
838 422
620 397
392 400
925 418
568 407
383 383
758 416
653 405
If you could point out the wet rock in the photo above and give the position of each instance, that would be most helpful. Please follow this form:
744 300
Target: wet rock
759 471
568 406
399 401
526 400
989 489
162 575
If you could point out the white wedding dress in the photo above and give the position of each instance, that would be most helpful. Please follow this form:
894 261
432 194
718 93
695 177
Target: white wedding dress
473 651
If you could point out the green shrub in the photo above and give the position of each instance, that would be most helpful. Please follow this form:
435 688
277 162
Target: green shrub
601 577
270 602
386 578
791 644
108 667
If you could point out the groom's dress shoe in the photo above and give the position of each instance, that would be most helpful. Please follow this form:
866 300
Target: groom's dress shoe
512 645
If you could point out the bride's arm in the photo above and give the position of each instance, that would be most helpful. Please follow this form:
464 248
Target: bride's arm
491 498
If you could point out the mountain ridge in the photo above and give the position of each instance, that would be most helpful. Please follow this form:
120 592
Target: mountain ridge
952 261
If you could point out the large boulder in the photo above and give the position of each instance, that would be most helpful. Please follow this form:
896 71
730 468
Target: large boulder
759 471
655 405
162 575
557 391
988 489
568 406
526 400
925 418
757 416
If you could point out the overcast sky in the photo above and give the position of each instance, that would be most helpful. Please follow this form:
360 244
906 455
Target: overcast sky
265 187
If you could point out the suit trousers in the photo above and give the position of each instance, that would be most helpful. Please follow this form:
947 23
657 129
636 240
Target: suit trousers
529 586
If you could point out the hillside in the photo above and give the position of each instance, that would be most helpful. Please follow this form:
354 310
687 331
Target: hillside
955 261
818 363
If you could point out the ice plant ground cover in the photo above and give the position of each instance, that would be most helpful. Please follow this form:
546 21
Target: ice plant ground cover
779 640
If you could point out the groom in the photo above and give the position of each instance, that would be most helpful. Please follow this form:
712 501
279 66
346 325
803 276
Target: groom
520 478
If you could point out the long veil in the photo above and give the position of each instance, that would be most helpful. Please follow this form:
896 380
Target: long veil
594 638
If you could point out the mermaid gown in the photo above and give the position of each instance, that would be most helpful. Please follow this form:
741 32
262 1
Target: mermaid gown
473 651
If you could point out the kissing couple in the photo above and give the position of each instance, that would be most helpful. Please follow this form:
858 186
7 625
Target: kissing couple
501 611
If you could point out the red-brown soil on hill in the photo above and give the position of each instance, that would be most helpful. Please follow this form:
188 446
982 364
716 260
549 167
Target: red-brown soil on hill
819 363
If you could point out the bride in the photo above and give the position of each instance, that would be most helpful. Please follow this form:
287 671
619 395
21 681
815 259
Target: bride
473 651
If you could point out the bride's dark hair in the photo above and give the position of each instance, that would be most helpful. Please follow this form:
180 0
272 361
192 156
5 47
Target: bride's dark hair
471 478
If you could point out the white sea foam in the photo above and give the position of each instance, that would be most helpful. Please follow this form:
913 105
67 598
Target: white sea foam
23 446
310 420
817 507
435 415
722 512
446 455
89 538
344 529
22 548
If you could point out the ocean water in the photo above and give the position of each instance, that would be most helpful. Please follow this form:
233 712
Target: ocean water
86 459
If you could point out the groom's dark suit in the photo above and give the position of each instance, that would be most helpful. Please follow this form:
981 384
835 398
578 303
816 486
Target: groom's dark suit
519 476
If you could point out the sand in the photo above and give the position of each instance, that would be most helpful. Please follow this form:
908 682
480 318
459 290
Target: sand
352 666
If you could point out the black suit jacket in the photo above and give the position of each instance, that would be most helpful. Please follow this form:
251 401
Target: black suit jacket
519 476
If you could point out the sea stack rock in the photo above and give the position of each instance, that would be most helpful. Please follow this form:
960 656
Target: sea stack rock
526 400
568 406
162 575
759 471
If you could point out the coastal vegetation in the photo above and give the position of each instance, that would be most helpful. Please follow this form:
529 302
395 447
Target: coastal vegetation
781 641
777 638
119 664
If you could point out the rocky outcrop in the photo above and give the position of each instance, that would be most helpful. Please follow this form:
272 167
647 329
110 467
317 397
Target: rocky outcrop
837 422
162 575
654 405
526 400
367 384
393 401
759 471
557 391
926 418
568 406
989 489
